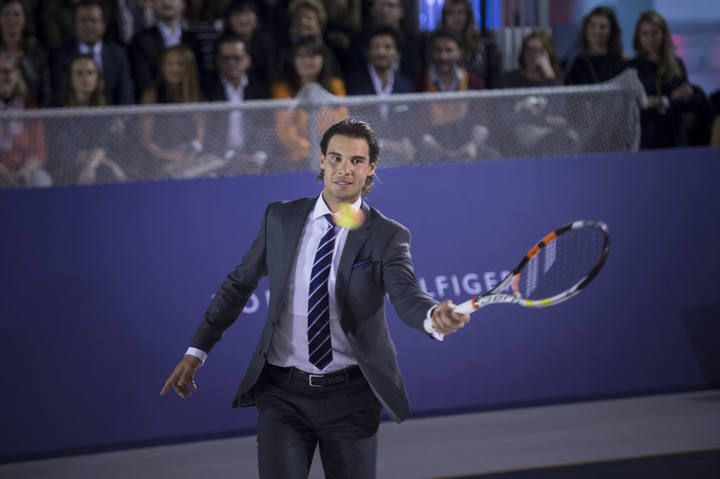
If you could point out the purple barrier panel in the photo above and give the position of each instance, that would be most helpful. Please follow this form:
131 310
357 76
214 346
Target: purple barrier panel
102 287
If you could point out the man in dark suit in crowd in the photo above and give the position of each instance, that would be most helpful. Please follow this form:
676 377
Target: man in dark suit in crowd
229 133
325 364
382 77
111 58
390 13
147 46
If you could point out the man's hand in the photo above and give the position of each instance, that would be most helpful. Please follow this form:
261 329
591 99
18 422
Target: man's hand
182 379
445 321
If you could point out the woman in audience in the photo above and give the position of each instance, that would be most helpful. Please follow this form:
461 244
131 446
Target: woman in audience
480 53
601 54
22 142
16 39
178 140
307 64
539 64
82 153
665 81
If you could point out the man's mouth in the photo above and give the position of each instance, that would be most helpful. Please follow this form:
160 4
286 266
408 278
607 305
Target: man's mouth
343 182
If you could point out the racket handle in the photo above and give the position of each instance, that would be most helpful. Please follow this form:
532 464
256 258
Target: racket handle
466 308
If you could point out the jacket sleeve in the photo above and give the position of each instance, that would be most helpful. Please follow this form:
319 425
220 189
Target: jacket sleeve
410 302
233 294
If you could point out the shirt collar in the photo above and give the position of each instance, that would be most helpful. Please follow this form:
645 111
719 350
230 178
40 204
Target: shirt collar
170 37
229 86
321 208
86 49
377 83
457 74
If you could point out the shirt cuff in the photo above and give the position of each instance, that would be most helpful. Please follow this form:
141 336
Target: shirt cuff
428 325
201 355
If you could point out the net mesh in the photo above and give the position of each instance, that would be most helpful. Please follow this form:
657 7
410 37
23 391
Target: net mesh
154 142
562 263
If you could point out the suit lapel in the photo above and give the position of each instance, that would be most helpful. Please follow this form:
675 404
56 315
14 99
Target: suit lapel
292 226
355 240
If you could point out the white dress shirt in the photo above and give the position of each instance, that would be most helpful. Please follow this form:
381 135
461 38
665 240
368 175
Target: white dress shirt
236 135
289 346
95 51
381 90
170 37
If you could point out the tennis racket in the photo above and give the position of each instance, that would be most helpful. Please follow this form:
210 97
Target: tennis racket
554 270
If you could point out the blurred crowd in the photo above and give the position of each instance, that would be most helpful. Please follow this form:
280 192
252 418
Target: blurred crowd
86 53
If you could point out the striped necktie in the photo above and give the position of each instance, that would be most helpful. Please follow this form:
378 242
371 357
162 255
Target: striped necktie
319 344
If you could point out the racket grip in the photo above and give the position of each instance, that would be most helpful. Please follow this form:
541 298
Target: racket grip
465 308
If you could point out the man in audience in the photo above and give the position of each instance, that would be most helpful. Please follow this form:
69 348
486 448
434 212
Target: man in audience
147 46
390 13
236 136
380 77
110 57
451 130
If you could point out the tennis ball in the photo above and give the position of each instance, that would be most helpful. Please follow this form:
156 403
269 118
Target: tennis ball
348 217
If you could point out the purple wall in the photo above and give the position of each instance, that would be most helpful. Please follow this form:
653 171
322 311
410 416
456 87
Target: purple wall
101 289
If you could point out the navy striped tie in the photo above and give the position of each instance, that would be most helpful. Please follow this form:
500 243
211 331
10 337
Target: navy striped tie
319 344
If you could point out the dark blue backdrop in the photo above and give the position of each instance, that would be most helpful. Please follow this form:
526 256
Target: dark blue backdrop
101 289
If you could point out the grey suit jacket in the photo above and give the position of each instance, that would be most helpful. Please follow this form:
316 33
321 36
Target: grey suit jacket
375 261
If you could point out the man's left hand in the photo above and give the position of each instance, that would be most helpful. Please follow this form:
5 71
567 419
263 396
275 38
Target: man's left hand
445 320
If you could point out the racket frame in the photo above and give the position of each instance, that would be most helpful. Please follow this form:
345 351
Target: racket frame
494 296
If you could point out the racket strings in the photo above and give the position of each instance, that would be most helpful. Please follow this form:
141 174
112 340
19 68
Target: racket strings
562 263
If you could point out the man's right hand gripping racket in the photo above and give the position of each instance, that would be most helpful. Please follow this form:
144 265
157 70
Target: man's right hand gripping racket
554 270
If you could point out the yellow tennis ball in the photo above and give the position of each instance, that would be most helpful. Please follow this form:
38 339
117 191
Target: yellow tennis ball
348 217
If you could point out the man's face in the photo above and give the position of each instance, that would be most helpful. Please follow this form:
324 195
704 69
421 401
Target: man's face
383 52
89 24
446 54
244 23
346 166
387 12
233 60
167 10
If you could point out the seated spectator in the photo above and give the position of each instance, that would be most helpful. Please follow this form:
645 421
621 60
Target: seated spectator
698 119
601 54
539 65
242 19
236 136
307 64
715 130
146 48
22 142
16 40
57 23
389 13
665 81
179 138
380 77
480 52
83 143
110 57
451 131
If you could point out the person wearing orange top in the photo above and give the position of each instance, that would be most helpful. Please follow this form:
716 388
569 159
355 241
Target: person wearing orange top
307 63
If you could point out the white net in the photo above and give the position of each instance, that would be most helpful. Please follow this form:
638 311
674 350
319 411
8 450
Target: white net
102 145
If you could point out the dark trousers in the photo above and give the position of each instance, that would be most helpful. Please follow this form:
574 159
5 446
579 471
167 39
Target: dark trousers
338 412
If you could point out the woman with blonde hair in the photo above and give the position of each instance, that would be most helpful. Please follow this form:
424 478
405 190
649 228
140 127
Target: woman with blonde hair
177 83
480 52
81 156
665 80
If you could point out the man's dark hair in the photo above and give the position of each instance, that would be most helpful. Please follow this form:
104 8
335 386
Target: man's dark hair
353 129
446 33
88 4
386 30
228 37
241 6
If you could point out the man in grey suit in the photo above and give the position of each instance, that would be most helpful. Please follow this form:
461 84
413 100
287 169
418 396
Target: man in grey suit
325 364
